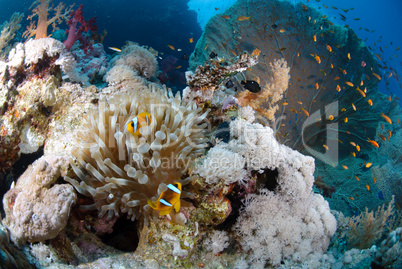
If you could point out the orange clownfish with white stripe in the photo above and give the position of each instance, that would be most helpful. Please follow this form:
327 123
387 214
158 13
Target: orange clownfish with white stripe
142 119
168 200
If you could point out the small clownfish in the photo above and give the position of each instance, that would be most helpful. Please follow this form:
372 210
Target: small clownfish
142 119
167 200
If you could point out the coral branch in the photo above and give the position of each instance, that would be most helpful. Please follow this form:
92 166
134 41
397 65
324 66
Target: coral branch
42 10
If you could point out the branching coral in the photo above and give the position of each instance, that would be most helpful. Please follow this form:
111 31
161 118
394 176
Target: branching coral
265 102
8 29
121 171
365 229
42 11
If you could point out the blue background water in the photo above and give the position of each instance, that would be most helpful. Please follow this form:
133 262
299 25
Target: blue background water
158 23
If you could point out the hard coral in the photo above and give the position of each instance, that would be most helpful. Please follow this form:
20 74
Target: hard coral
37 209
121 171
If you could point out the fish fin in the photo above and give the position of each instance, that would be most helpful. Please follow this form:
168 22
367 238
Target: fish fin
165 212
151 204
177 206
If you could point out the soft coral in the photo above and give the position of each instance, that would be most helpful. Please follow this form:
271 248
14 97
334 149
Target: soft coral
42 11
75 32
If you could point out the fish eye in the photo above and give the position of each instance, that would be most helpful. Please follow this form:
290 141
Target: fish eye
132 124
176 185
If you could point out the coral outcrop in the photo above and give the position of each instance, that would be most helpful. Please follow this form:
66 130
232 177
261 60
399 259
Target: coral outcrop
285 220
37 208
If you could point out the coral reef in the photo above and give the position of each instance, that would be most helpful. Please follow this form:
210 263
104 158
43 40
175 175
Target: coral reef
37 208
206 78
134 168
389 253
286 221
314 80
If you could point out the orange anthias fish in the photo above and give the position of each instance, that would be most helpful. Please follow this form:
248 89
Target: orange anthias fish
374 143
317 58
349 83
354 107
226 17
361 92
329 48
305 112
370 102
256 52
377 76
243 18
338 88
191 40
171 47
315 38
386 118
168 200
382 137
282 31
345 167
317 86
142 119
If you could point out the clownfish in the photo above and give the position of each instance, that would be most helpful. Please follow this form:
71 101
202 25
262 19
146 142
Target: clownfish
168 200
142 119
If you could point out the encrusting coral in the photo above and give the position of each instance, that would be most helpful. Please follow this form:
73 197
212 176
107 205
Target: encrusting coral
119 170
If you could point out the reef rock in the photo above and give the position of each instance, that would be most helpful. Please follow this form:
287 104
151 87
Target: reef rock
37 208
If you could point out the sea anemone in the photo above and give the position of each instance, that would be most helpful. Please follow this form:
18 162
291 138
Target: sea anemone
121 171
